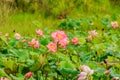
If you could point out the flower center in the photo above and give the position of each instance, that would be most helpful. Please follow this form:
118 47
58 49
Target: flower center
51 46
59 36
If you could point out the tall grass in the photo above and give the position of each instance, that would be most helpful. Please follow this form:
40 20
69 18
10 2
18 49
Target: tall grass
19 17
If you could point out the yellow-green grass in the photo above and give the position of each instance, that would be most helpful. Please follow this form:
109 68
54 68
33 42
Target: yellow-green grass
23 22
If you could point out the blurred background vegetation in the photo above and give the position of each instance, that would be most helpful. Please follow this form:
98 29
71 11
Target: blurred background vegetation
20 15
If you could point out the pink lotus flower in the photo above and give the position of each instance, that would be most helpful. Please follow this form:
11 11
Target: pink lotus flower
82 76
86 72
86 69
34 44
75 41
17 36
39 32
115 24
63 43
52 47
60 17
92 33
28 75
89 39
24 40
107 72
4 79
58 36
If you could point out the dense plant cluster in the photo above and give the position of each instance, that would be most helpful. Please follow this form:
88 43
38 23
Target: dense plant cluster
56 7
62 55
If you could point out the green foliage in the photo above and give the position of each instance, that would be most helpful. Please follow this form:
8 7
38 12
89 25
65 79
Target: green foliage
70 24
101 53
